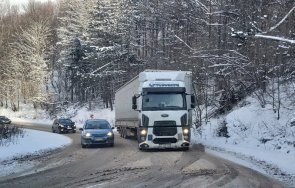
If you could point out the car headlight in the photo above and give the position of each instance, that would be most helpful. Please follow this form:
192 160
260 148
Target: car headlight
110 134
143 132
87 134
185 131
61 126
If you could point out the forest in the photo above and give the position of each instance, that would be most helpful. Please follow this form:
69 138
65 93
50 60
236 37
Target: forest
80 52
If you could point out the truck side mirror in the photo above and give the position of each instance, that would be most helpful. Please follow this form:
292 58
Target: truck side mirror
193 101
134 105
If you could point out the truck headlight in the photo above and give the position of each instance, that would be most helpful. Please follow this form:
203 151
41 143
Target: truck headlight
185 131
110 134
143 132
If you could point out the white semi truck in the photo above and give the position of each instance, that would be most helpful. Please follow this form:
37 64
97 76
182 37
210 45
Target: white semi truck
156 107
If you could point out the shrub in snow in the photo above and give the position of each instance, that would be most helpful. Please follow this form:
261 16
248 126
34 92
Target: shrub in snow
264 140
221 130
9 134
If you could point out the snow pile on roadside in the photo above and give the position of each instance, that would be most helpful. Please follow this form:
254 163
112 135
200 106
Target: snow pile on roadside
31 143
254 135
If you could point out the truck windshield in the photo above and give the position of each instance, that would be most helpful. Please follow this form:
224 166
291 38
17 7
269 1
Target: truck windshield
163 101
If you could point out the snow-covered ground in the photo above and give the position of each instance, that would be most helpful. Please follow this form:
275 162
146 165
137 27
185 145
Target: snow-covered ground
256 139
29 143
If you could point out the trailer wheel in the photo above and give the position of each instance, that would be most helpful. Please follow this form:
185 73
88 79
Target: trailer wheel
124 133
121 132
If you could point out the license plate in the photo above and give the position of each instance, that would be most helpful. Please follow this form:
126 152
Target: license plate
69 128
165 145
98 139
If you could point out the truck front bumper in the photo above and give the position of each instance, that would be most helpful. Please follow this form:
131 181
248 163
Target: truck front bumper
150 145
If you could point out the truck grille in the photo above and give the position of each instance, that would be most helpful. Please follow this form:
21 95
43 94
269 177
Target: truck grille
165 131
165 128
164 140
165 123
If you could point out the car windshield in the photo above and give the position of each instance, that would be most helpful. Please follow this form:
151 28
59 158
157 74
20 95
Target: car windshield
163 101
65 121
97 125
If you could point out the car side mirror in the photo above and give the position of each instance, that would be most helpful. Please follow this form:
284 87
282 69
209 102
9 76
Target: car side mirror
81 129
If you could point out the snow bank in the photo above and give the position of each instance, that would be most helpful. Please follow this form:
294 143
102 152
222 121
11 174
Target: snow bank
31 143
256 139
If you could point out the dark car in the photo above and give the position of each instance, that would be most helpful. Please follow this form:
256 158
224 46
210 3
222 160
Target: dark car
4 120
63 125
97 132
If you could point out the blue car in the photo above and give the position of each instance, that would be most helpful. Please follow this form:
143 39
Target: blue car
97 132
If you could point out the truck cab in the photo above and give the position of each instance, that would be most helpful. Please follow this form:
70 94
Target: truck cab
164 103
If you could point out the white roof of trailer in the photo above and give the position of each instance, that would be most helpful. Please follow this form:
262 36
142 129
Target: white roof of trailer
163 75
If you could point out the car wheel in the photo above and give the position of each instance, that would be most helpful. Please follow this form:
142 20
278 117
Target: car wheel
112 145
185 149
74 131
83 145
141 149
52 129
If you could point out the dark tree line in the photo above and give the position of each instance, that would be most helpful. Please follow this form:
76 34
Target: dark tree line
233 48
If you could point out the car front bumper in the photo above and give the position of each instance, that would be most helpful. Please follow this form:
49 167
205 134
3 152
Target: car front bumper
97 140
67 129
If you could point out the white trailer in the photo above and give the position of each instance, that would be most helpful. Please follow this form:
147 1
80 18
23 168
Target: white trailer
156 107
